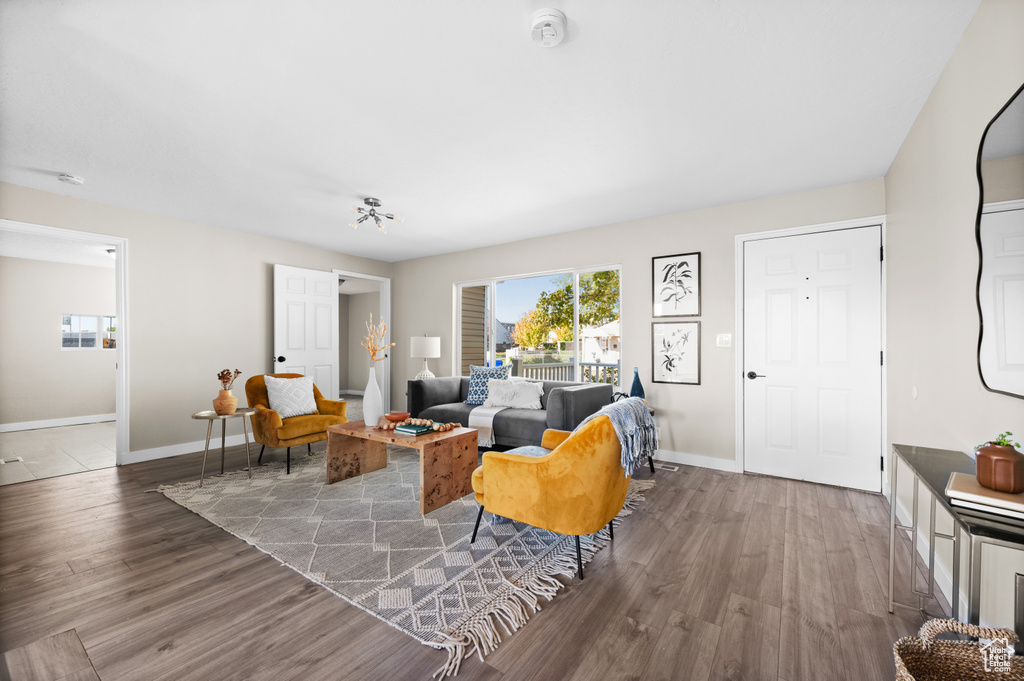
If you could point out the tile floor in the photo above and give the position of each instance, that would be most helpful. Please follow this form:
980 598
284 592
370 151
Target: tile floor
49 452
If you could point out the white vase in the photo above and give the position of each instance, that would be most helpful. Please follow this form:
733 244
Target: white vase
373 403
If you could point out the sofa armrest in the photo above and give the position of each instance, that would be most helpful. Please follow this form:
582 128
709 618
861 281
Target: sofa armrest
331 407
568 406
432 392
552 438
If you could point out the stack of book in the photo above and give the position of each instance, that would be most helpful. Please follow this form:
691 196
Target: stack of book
411 429
985 506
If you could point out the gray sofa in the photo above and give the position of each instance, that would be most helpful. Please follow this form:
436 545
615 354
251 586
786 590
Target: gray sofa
564 406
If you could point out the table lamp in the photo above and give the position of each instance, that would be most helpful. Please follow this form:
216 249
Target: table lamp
424 346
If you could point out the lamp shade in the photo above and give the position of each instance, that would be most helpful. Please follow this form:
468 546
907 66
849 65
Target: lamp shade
425 346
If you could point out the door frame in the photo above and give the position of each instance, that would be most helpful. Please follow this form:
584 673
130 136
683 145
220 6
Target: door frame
121 382
740 242
385 313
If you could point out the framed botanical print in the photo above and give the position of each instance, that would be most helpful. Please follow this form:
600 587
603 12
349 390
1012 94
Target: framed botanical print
676 285
676 348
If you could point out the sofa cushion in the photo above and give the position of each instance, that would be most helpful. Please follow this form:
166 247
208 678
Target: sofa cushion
291 396
517 427
301 426
478 377
455 412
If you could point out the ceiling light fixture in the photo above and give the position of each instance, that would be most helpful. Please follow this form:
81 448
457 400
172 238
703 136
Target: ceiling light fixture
71 179
370 212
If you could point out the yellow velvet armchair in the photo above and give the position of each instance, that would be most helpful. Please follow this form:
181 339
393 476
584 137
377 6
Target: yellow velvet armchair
577 489
270 430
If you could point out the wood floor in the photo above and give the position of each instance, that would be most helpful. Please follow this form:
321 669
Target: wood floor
716 576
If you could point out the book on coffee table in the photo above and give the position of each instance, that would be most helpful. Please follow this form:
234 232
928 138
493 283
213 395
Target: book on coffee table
411 429
964 491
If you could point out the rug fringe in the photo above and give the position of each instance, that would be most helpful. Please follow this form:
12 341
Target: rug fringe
511 609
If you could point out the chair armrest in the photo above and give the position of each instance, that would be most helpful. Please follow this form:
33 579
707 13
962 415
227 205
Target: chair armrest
431 392
265 423
331 407
568 406
552 438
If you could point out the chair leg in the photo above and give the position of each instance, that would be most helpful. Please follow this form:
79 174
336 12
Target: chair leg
309 448
260 460
650 460
611 529
477 526
288 465
579 557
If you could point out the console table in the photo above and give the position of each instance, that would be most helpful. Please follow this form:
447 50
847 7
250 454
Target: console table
932 468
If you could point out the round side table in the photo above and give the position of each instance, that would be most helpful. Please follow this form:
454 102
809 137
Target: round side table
211 416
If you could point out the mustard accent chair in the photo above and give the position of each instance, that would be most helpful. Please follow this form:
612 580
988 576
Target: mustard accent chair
578 488
270 430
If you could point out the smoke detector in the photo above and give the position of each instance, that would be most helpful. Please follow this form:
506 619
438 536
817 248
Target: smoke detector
547 27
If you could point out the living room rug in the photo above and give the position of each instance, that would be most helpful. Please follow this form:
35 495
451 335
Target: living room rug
365 540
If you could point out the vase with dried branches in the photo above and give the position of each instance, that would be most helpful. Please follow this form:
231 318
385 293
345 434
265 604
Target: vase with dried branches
226 403
373 402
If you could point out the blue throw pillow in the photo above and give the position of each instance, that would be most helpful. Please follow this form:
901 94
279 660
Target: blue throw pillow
478 377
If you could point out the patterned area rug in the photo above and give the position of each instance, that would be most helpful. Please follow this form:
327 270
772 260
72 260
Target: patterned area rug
365 540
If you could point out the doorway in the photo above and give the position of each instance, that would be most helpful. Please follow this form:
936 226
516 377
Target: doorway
811 355
67 348
359 296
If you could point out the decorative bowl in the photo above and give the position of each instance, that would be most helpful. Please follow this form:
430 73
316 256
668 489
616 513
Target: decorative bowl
397 416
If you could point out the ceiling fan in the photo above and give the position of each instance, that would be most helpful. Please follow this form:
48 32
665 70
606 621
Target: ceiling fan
370 212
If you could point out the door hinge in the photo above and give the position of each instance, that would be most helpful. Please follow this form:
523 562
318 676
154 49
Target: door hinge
881 357
881 463
881 253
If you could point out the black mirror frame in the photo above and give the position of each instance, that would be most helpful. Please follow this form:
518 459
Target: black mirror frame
977 237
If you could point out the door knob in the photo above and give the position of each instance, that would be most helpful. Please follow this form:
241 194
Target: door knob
277 359
752 375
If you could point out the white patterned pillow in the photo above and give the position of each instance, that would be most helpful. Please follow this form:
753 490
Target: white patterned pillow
478 377
291 396
514 394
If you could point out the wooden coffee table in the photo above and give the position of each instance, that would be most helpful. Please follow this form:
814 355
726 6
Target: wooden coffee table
447 460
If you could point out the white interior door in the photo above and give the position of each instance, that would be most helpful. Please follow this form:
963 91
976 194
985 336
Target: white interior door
812 399
306 326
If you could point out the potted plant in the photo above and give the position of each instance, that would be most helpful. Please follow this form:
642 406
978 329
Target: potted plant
1000 465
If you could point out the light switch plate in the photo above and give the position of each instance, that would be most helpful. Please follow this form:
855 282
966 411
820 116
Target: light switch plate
724 340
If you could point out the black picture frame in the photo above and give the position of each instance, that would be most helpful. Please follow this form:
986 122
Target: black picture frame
675 285
675 352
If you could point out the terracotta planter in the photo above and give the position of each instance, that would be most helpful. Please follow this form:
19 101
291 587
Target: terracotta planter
1001 467
226 403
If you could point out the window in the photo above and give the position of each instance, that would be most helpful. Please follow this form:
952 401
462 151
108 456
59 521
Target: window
561 326
88 332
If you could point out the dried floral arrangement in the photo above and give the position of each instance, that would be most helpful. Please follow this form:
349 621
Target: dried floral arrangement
227 378
374 338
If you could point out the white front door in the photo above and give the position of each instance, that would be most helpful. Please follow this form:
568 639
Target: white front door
306 326
812 398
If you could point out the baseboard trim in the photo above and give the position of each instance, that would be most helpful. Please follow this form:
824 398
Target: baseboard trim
699 460
56 423
141 455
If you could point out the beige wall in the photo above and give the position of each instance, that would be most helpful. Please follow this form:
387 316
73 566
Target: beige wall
361 306
935 396
1003 178
343 343
40 380
932 266
693 419
200 300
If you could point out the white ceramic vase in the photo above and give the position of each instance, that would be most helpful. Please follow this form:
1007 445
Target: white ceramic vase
373 403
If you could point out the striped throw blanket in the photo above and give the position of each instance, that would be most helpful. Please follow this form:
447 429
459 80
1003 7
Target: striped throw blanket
635 427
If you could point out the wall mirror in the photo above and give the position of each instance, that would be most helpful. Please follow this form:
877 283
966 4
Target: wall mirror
1000 236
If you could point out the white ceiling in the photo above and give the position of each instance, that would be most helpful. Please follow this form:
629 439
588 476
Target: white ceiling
275 117
18 244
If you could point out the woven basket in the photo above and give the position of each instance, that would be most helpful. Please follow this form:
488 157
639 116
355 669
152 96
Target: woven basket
928 659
